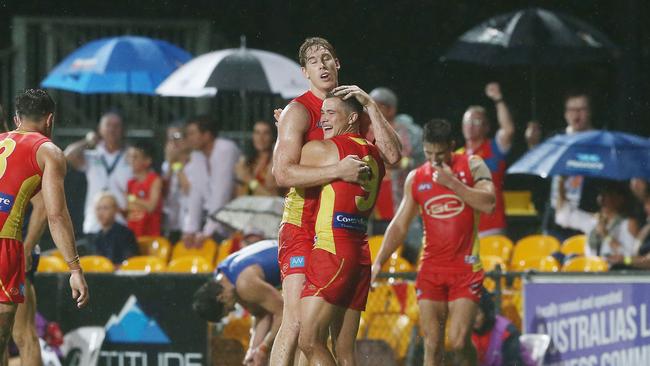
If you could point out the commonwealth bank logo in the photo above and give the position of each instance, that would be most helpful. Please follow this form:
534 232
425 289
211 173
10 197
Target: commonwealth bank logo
132 325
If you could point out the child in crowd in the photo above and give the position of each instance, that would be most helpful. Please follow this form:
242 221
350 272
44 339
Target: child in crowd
144 193
114 241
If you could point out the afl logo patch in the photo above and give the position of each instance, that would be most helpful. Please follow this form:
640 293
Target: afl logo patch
424 187
444 206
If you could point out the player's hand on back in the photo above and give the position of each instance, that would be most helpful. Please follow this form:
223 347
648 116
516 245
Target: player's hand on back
276 114
443 175
79 288
352 169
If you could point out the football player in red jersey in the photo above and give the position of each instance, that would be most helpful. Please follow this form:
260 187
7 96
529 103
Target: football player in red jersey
30 162
299 123
451 191
338 273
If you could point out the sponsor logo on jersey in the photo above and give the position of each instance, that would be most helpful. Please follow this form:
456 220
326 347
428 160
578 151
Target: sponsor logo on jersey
347 221
444 206
297 262
424 187
6 202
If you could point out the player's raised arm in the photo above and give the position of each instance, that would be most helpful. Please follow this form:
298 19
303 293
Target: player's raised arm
286 157
398 227
481 197
52 161
386 138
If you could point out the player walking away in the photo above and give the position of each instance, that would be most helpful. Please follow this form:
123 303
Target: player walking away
29 163
450 190
299 123
338 272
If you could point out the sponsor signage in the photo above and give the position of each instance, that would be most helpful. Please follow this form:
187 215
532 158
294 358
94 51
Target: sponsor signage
604 323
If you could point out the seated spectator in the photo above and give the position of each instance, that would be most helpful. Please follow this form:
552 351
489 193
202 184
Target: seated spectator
641 257
610 231
496 339
176 186
253 170
144 193
114 241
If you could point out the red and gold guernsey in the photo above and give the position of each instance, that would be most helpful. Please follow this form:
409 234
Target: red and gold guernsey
344 208
300 204
20 179
451 243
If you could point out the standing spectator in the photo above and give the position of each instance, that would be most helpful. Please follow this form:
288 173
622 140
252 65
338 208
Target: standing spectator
577 191
211 172
103 160
144 207
175 182
114 241
476 129
253 171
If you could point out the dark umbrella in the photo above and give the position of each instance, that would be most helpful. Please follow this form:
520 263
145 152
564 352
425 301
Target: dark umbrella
534 37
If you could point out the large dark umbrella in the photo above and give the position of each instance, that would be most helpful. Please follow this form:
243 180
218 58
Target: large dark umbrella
534 37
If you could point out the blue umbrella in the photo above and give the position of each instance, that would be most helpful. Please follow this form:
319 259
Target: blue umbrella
601 154
126 64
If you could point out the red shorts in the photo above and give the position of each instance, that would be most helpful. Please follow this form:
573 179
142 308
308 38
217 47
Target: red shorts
340 280
12 271
294 246
440 286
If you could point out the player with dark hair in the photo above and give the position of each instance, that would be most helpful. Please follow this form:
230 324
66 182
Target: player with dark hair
29 163
449 190
249 277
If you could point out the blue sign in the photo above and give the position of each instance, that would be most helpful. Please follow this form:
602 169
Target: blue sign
297 262
591 324
132 325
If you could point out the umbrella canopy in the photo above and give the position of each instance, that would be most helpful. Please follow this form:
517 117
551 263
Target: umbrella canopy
236 69
531 36
263 213
126 64
601 154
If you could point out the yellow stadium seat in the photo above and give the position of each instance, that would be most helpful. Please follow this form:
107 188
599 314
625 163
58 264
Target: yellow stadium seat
50 263
190 264
497 245
374 242
585 264
544 264
96 263
224 250
490 262
207 250
519 203
157 246
534 246
576 244
393 328
144 263
238 328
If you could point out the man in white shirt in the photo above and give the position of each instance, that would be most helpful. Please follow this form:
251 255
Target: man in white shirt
211 174
103 159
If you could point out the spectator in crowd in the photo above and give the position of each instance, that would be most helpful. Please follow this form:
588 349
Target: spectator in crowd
114 241
144 193
253 170
391 189
175 182
476 129
102 157
641 248
496 339
610 231
577 191
533 134
211 172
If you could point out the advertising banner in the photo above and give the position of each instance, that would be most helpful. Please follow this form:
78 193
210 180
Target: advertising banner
591 320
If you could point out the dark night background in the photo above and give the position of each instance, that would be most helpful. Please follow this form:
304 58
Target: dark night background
398 44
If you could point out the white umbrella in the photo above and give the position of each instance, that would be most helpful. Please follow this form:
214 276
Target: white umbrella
236 69
263 213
